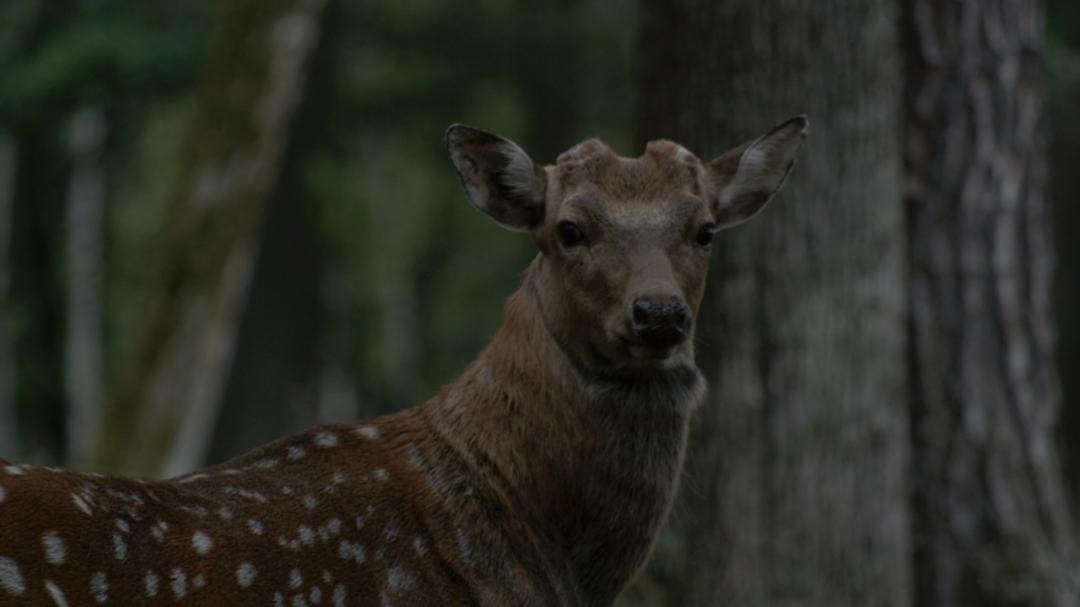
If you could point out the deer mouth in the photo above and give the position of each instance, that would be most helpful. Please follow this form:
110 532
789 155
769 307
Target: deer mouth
654 357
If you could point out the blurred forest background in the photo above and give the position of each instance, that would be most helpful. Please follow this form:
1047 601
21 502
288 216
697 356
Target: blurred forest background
221 222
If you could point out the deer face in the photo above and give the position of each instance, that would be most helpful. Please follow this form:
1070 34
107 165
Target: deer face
624 242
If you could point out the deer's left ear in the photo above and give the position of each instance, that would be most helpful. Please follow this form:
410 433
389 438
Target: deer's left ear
746 177
499 177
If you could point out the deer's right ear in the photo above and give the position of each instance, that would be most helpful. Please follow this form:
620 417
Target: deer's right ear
499 177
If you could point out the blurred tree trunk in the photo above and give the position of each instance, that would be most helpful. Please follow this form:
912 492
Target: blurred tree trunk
169 387
550 92
85 250
8 156
992 526
1065 193
36 296
277 370
796 484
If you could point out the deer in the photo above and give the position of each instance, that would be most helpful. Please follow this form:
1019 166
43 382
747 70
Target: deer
539 477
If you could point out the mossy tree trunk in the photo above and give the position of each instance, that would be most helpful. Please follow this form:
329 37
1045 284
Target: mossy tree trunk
168 388
992 526
796 485
278 361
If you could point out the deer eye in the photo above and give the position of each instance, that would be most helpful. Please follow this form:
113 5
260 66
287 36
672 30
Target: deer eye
569 234
705 235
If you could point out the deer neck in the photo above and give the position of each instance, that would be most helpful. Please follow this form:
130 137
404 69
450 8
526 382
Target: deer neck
592 462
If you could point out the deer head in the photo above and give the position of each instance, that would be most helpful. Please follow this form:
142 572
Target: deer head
623 242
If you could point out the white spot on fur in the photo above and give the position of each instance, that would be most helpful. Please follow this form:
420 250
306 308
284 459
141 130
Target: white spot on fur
315 595
81 504
150 583
56 594
350 551
55 551
245 575
255 526
298 600
99 588
333 526
420 544
201 542
10 576
307 535
279 600
119 547
399 579
178 582
339 595
225 513
295 579
295 452
199 581
327 577
267 463
14 470
338 478
309 502
326 439
193 478
368 432
382 474
198 511
391 532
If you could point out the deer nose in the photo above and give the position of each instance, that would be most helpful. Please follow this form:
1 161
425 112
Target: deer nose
660 322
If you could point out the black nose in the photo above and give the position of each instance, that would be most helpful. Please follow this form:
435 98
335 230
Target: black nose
660 322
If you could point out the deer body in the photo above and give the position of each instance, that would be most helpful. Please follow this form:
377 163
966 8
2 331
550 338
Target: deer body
541 476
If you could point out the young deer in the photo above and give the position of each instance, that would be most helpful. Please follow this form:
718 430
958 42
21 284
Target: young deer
539 477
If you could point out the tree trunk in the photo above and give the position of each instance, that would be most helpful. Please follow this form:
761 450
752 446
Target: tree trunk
85 276
1065 192
7 352
795 491
991 521
169 387
277 370
36 295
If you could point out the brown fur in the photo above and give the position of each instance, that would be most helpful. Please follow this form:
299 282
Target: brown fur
541 476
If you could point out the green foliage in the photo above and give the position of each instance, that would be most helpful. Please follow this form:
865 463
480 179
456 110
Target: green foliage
55 56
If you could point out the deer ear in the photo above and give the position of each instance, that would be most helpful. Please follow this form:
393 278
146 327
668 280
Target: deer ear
499 177
746 177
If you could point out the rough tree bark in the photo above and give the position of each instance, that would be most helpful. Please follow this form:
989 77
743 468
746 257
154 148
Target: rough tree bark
168 389
795 491
992 525
84 341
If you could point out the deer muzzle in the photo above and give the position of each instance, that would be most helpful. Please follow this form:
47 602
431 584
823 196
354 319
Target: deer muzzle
659 322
